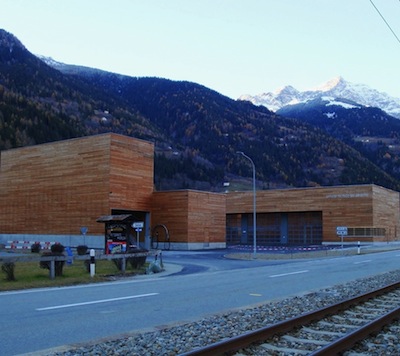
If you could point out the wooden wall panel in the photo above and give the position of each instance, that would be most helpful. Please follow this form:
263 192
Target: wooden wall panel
171 209
191 216
386 210
131 174
58 187
54 188
345 206
207 217
352 206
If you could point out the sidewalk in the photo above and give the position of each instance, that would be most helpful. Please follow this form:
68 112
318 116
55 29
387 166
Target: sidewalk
301 253
169 268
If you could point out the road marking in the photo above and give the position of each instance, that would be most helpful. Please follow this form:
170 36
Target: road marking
288 274
96 302
255 295
365 261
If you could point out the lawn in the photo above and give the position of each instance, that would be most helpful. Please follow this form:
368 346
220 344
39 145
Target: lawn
30 275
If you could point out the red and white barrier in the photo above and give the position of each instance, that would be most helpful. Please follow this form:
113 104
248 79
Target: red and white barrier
26 245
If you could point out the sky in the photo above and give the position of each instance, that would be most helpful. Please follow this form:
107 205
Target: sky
232 46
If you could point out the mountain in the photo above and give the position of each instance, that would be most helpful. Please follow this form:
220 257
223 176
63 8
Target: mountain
370 130
336 88
196 130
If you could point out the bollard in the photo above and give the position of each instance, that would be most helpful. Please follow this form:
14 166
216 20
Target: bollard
92 263
358 248
52 269
123 264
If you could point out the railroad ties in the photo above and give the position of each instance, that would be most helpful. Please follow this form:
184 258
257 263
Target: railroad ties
327 331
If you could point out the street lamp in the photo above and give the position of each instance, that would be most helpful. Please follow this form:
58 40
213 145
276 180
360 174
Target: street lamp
254 203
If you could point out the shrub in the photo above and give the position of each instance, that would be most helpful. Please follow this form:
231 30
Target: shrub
81 250
56 250
118 263
36 247
8 269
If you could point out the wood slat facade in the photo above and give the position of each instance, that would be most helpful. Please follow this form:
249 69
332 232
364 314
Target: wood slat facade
367 206
195 219
56 188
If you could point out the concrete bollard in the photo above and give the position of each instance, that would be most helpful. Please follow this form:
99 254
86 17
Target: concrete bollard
92 263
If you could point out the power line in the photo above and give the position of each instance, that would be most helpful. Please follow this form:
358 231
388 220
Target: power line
383 18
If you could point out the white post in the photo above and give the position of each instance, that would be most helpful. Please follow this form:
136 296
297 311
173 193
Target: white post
358 248
92 263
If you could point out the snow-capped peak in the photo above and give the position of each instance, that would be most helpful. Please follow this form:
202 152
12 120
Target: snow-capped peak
336 88
287 90
330 84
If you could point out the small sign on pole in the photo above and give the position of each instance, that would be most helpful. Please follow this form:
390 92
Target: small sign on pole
341 231
138 226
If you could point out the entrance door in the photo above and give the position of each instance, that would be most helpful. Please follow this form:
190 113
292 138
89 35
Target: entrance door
305 228
308 235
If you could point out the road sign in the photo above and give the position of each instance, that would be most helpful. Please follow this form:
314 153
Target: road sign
138 226
341 230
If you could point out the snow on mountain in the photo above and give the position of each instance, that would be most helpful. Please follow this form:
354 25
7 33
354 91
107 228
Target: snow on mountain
336 88
331 101
50 61
53 63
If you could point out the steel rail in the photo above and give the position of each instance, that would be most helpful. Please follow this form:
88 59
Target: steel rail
242 341
349 340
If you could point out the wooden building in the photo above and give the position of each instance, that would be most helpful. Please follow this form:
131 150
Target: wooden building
59 191
194 214
306 216
55 191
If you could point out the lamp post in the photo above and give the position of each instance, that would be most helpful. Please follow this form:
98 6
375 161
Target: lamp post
254 203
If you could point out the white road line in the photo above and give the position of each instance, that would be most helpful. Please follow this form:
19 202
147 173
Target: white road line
365 261
96 302
288 274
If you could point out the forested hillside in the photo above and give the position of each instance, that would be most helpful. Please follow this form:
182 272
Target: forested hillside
196 131
369 130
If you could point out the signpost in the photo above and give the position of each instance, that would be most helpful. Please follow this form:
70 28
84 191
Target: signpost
138 226
341 231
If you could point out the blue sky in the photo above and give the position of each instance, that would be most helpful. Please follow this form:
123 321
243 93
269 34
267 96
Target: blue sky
234 47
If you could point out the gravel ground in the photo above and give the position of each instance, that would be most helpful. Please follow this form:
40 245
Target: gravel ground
182 338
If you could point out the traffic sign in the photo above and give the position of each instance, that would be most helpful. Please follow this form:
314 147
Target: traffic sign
138 224
341 230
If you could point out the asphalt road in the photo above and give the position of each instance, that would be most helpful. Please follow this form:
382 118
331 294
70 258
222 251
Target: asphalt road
195 284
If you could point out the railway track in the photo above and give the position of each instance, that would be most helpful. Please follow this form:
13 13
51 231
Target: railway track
327 331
